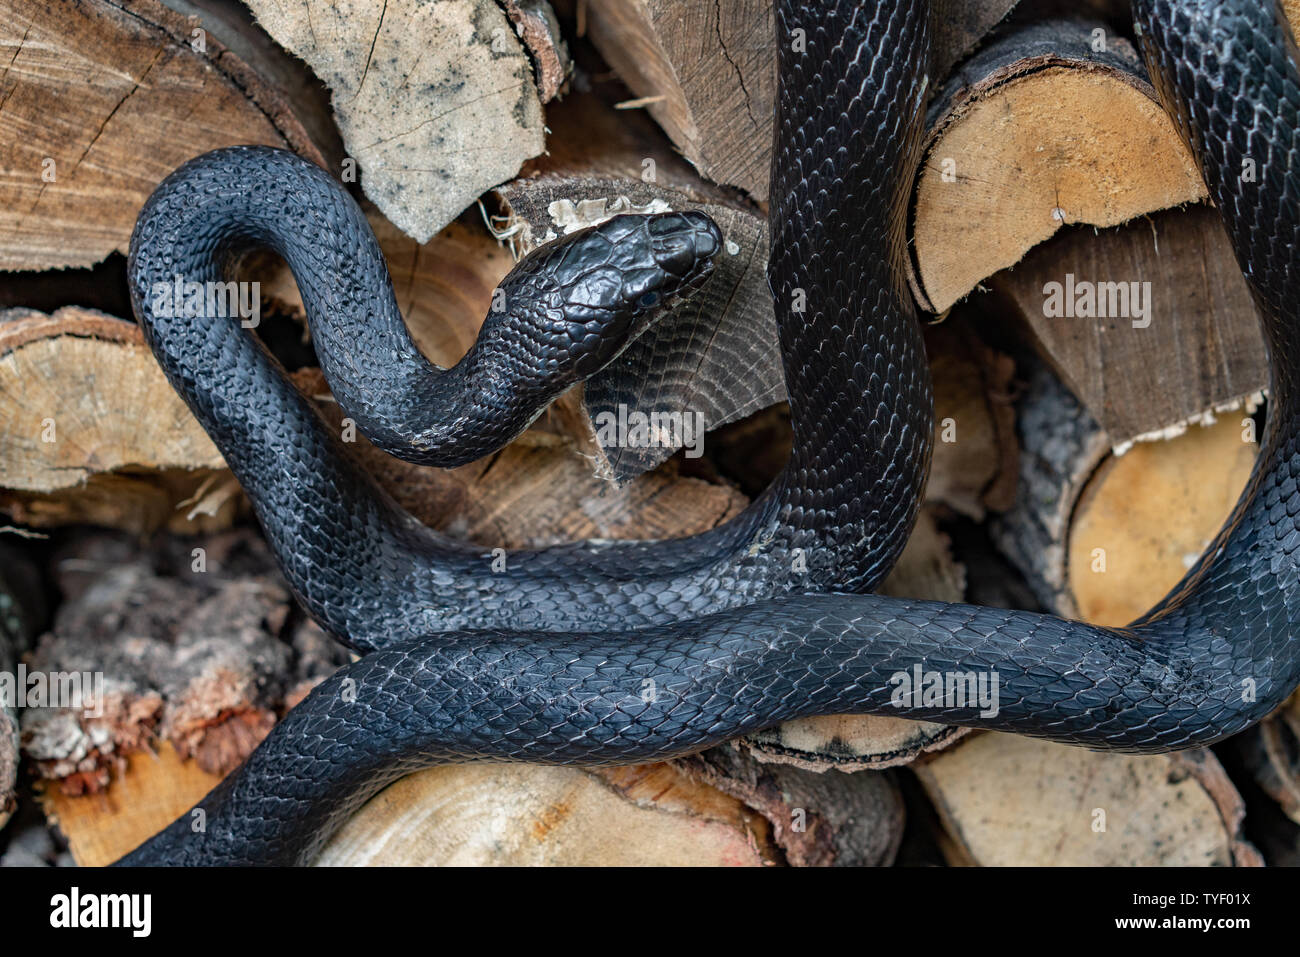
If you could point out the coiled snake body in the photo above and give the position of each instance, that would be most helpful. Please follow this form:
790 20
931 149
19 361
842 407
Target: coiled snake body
550 661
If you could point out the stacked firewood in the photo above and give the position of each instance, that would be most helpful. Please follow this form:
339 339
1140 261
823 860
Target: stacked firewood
1098 370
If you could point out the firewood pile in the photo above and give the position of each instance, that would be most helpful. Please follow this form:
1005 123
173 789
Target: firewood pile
1090 439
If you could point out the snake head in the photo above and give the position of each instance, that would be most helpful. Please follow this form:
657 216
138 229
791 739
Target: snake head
583 298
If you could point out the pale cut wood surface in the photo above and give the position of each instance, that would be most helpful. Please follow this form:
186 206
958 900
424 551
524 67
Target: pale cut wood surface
524 815
1145 517
1008 800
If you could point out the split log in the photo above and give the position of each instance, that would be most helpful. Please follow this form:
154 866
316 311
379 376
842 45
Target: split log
1036 131
708 72
1091 530
1008 800
1150 324
99 102
118 448
436 102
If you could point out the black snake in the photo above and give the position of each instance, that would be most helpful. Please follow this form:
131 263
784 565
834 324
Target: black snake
609 653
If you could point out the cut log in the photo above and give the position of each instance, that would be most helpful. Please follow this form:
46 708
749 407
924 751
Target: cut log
1039 130
1013 801
1103 537
100 100
116 448
1150 324
708 71
521 815
436 102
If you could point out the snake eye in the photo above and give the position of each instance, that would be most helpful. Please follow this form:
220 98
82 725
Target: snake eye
649 299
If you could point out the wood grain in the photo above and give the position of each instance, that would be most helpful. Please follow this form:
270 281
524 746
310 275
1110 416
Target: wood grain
101 99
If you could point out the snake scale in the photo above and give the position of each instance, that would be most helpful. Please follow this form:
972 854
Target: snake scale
550 661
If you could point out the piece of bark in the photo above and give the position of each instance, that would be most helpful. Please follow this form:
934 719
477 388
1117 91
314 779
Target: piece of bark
190 654
1061 446
9 755
714 356
650 815
198 659
436 102
708 71
818 820
535 22
958 26
100 100
1103 537
20 613
1008 800
1195 348
1035 131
